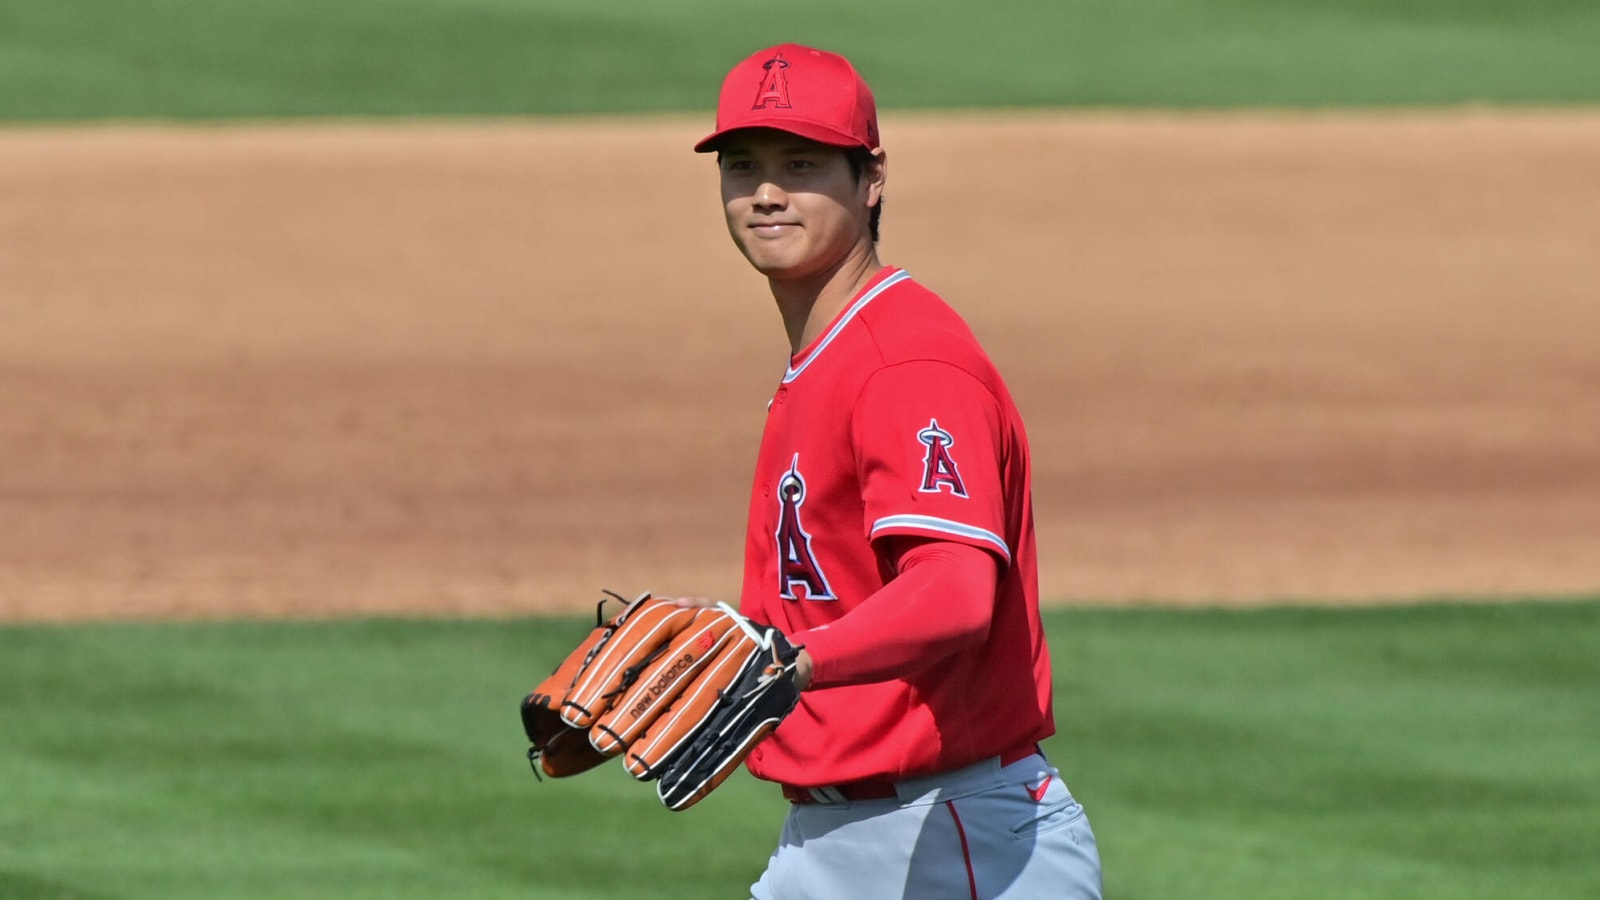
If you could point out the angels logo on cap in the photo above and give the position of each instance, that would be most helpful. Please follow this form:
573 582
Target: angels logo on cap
802 90
774 87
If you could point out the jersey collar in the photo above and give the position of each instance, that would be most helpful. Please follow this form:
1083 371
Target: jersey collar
795 368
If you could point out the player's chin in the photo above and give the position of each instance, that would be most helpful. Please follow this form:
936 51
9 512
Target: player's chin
775 262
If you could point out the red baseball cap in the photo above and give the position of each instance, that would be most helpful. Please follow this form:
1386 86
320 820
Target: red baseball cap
801 90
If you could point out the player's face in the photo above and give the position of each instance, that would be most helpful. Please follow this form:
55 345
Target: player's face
793 206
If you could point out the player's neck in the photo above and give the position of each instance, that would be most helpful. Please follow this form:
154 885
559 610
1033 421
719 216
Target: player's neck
808 305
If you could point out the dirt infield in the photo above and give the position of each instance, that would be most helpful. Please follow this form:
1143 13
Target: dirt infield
497 367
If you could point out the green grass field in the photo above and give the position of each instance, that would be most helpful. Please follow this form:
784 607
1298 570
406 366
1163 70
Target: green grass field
90 59
1442 751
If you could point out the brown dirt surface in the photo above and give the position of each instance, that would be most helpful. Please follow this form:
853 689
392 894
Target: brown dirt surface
496 367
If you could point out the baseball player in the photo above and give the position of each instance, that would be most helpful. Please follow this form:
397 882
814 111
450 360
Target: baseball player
890 534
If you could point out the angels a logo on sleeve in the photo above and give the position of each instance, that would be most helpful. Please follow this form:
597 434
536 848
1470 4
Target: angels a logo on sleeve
797 564
939 470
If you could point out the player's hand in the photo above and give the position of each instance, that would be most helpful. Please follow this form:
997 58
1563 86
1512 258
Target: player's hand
802 669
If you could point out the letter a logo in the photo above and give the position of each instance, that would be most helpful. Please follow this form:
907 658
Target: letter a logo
938 466
797 565
774 90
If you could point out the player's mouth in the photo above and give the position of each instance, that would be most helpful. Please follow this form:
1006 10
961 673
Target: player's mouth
773 229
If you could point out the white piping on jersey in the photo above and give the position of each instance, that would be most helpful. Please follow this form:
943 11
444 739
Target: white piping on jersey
844 320
944 526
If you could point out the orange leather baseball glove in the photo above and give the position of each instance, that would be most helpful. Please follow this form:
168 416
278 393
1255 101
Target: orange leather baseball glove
682 694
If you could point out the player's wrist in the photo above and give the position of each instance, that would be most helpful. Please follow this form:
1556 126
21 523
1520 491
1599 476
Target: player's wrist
803 667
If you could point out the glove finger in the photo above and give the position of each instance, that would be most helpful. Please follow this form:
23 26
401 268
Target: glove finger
677 726
660 683
540 709
644 630
696 781
749 710
551 691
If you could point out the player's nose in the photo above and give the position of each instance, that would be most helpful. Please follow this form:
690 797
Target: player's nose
769 195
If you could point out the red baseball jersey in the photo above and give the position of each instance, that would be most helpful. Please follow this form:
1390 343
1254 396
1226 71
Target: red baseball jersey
895 422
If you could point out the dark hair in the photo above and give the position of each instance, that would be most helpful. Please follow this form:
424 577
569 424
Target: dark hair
859 158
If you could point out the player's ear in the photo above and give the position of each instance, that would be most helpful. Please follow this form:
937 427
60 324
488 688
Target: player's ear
875 174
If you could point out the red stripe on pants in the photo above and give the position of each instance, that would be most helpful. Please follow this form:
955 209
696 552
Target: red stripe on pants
966 853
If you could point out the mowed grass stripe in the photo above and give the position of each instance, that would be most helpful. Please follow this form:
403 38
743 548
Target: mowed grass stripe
93 59
1438 750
